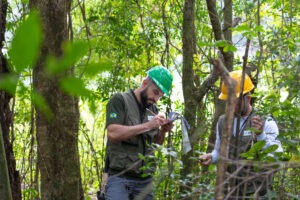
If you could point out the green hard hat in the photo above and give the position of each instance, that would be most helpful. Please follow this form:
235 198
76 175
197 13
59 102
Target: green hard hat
162 78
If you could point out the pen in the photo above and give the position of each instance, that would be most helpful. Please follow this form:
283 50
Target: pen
150 111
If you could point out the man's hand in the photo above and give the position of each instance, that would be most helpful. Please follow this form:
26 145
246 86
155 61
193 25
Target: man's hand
257 123
205 159
157 121
167 126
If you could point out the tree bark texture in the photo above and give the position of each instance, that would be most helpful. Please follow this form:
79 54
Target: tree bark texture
228 56
189 46
189 49
57 134
6 115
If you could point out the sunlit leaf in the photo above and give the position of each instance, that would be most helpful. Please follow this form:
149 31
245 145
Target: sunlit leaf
221 43
242 28
74 86
230 48
72 52
259 28
25 46
95 68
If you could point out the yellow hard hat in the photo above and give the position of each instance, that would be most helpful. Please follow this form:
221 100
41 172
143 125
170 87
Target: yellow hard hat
237 76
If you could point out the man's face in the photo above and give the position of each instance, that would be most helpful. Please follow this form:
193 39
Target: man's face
150 94
239 107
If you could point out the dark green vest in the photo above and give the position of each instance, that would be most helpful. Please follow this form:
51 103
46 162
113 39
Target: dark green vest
133 157
246 137
246 181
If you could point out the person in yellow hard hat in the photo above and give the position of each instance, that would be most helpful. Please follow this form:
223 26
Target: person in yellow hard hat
244 182
133 124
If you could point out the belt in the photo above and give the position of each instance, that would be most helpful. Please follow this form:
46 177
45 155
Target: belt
127 175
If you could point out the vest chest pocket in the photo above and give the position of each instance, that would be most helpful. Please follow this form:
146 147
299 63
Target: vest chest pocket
246 140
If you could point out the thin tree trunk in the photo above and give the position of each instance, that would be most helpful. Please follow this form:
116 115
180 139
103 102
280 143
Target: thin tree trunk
227 57
229 116
6 115
57 134
5 191
189 49
193 96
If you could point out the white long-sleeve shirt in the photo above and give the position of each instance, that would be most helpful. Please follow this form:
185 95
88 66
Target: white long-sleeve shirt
269 134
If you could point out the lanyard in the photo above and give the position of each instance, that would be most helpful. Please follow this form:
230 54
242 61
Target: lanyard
244 124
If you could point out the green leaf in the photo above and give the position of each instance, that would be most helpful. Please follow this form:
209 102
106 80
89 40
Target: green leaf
74 86
248 155
230 48
221 43
258 145
95 68
72 52
40 102
270 159
25 46
271 149
242 28
8 83
254 152
259 28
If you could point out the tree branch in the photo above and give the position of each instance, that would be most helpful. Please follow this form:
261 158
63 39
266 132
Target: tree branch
227 129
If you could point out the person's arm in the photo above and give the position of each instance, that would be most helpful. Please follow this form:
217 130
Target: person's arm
212 157
117 132
215 152
268 132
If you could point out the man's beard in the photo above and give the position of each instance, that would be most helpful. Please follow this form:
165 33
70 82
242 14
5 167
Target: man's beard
144 99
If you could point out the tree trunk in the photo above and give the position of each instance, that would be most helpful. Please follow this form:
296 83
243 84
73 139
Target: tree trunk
6 116
189 49
57 134
227 57
193 96
5 191
229 116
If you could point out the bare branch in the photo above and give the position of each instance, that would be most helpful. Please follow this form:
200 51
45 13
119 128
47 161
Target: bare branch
227 129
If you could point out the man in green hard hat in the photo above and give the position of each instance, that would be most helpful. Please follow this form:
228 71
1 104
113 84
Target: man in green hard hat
133 124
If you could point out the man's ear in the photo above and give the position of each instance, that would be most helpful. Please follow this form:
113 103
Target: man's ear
248 97
144 82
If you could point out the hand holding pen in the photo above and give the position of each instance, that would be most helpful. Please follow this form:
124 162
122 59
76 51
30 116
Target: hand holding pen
159 120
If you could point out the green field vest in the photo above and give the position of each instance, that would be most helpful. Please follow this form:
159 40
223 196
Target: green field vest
259 179
125 156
